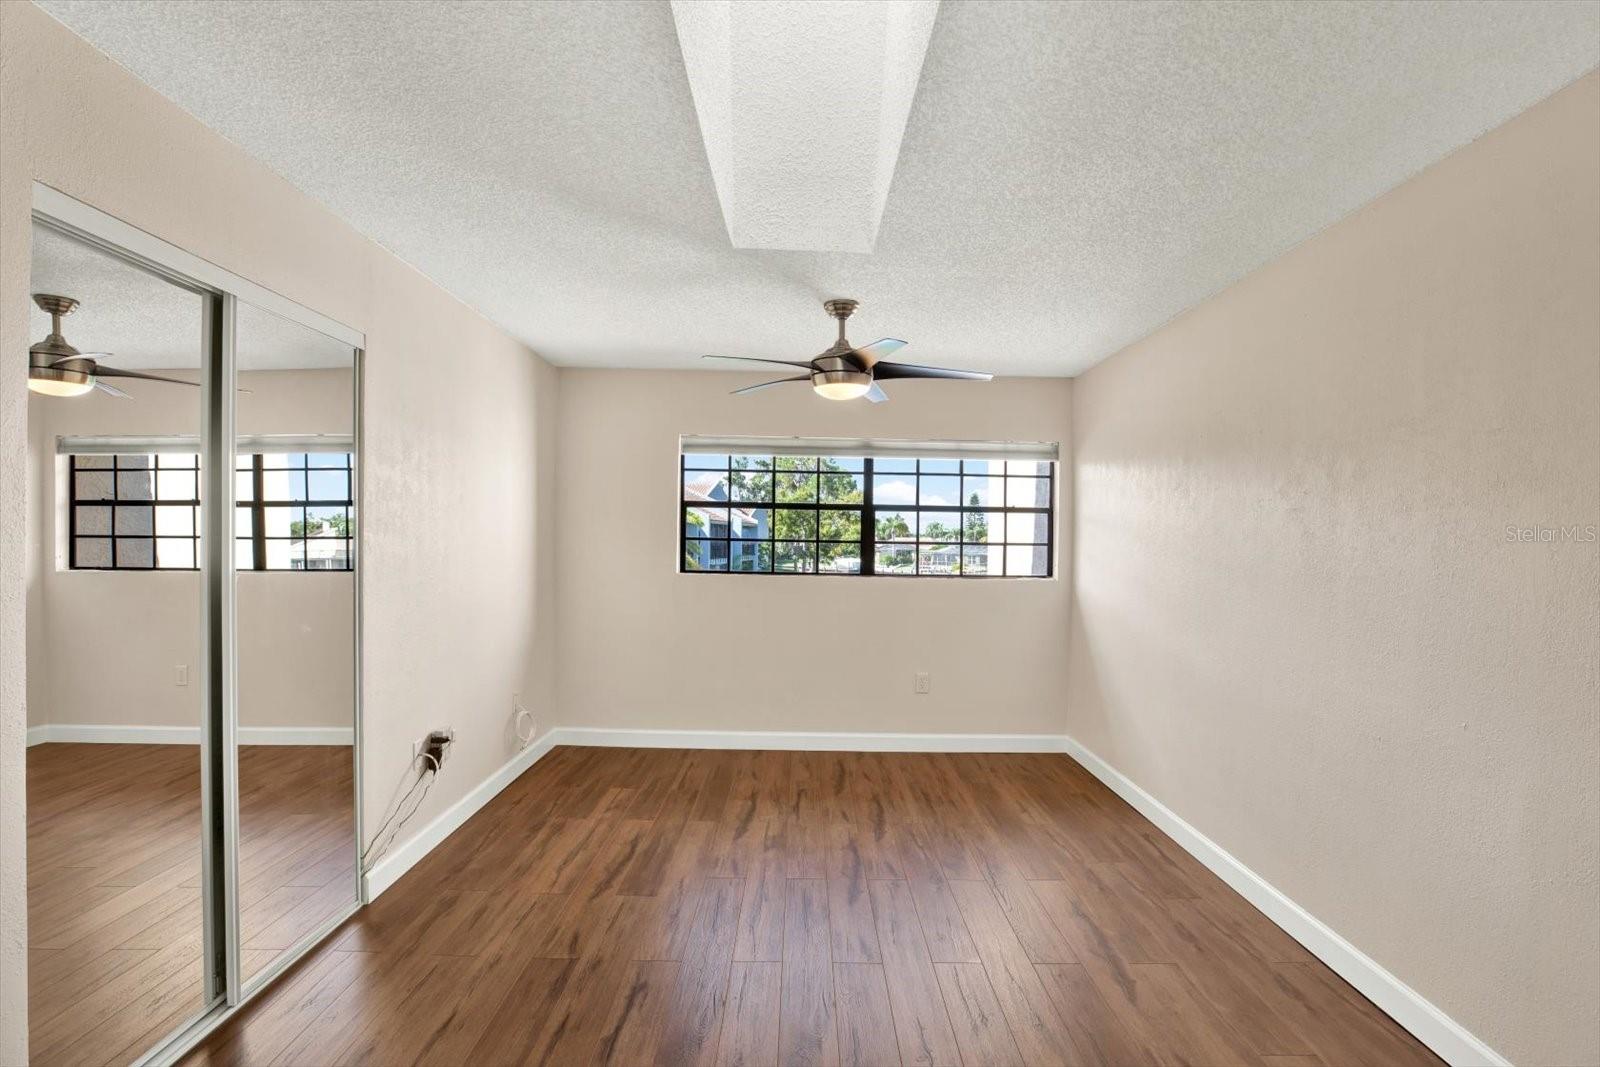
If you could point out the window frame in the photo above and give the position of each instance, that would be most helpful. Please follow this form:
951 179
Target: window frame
868 511
255 506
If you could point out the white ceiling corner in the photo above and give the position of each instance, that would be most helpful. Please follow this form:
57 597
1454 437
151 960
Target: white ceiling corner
802 105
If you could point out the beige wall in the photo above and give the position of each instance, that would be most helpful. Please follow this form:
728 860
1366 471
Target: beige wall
1299 621
642 646
104 645
458 476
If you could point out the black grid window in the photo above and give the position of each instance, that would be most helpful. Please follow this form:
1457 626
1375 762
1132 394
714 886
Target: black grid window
866 516
142 512
134 512
295 512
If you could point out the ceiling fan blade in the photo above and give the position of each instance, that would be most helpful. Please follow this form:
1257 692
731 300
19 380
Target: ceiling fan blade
880 349
763 385
117 372
757 359
887 371
876 394
108 388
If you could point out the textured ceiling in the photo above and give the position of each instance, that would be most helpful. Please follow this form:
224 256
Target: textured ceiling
147 323
1072 174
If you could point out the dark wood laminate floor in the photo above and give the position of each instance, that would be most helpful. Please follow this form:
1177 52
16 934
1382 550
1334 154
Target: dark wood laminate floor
646 906
114 934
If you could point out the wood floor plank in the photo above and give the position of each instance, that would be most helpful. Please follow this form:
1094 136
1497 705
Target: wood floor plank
807 1032
981 1029
1040 1032
694 1017
751 1017
862 995
921 1022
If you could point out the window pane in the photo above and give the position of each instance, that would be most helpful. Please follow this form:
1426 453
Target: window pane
282 460
1027 560
324 521
134 485
94 551
797 463
797 488
244 554
751 463
94 518
750 556
88 462
975 560
244 485
939 490
983 466
1028 466
178 461
1028 526
940 526
897 560
796 525
242 522
95 485
1028 492
796 557
136 552
702 463
840 559
893 488
939 466
175 520
853 464
176 485
938 559
752 486
283 555
982 491
896 525
894 466
328 459
278 520
328 485
843 488
982 527
705 485
705 555
840 526
174 552
751 523
705 522
134 520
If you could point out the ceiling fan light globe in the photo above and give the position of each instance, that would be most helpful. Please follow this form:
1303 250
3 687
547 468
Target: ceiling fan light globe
48 382
841 385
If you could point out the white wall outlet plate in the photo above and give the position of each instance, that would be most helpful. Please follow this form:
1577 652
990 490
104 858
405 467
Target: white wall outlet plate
922 682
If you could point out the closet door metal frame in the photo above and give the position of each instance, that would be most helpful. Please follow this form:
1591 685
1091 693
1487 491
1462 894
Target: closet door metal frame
225 992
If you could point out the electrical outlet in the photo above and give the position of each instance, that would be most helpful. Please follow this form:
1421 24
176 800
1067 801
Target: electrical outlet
182 674
922 683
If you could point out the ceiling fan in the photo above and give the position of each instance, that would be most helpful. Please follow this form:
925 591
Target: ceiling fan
843 372
55 368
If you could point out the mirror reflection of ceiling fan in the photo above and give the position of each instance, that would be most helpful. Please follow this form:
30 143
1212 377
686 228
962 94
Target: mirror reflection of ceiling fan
55 368
843 372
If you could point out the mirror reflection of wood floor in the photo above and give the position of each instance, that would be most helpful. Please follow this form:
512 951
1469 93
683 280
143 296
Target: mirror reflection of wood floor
648 906
114 873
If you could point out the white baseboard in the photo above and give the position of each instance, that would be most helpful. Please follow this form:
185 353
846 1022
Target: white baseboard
809 742
389 867
1446 1037
90 734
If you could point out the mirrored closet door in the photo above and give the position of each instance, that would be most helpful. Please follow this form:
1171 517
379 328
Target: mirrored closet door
193 636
